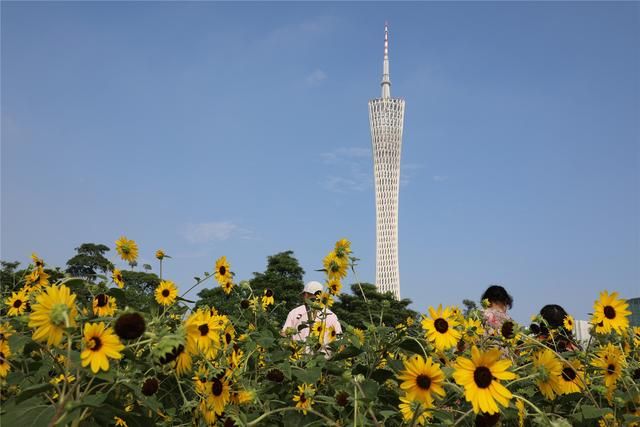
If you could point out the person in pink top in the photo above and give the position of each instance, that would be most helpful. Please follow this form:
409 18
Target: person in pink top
497 302
300 319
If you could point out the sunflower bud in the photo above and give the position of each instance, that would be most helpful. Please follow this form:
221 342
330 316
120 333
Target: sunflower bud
130 326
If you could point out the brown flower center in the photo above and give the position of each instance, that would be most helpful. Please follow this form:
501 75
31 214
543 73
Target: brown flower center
611 369
102 300
222 270
165 293
441 325
302 398
216 387
609 312
227 338
569 374
204 329
482 376
268 292
423 381
95 344
507 330
17 303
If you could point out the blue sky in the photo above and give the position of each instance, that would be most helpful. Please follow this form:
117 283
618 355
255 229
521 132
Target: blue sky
211 129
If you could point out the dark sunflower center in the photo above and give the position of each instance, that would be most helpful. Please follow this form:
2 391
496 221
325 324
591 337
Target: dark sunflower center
102 300
482 376
423 381
95 344
17 303
204 329
269 293
227 337
507 330
611 369
216 387
568 374
223 270
302 398
165 293
441 325
610 312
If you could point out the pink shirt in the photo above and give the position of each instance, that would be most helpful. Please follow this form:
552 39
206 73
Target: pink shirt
298 318
494 317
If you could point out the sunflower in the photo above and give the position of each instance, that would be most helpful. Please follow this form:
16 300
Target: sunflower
222 273
480 376
440 328
5 352
39 262
207 412
17 303
218 394
160 254
568 322
319 329
549 370
203 330
104 305
421 379
166 292
200 380
6 330
116 275
100 345
38 277
408 409
611 361
335 266
242 397
610 313
342 249
304 397
235 358
334 286
119 422
54 310
267 298
522 412
228 335
183 363
331 334
472 329
127 249
572 379
359 333
227 286
325 300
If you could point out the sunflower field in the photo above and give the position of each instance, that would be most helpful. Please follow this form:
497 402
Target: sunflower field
71 353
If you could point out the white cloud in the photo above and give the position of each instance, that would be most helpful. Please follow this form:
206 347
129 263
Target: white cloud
213 231
316 77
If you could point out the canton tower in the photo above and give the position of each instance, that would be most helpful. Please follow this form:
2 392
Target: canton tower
386 119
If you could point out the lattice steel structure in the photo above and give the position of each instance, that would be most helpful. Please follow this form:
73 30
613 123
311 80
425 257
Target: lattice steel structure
386 118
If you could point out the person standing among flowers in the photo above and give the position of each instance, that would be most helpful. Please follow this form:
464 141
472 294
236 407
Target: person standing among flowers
302 318
497 302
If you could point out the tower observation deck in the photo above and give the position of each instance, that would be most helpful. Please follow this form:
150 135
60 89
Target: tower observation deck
386 119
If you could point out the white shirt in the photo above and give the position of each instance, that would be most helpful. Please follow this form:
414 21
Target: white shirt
298 319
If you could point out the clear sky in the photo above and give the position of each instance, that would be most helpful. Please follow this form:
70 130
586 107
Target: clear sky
211 129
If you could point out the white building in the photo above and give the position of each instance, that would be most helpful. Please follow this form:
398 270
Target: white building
386 118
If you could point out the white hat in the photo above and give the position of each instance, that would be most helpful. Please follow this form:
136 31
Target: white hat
313 287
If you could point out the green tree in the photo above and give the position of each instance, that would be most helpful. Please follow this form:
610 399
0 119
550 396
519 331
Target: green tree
89 260
138 289
9 276
354 308
283 276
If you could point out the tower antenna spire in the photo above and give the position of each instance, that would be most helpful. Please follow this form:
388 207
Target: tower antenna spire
386 80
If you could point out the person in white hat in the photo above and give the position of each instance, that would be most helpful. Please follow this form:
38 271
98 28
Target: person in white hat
301 318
